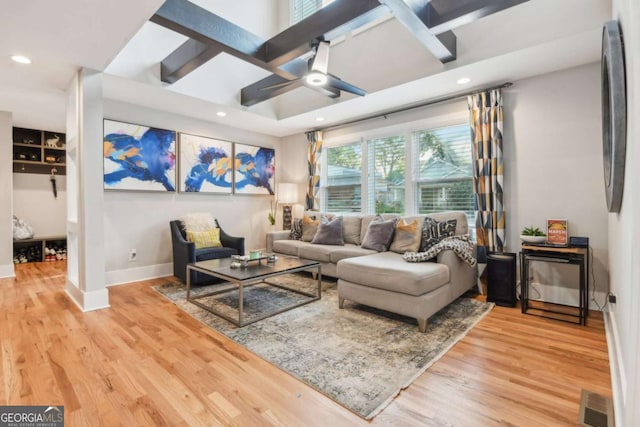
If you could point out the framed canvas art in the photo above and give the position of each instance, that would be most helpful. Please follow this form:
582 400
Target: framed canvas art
205 165
138 158
254 170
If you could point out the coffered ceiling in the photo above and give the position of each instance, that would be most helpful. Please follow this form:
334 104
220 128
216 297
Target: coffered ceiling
395 52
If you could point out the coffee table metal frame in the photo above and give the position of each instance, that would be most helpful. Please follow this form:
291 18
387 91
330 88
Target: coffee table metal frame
251 281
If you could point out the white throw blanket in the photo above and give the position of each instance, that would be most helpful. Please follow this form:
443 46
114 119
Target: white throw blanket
198 222
460 245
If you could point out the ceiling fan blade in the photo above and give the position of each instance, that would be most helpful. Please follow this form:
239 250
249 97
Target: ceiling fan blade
338 83
321 60
281 84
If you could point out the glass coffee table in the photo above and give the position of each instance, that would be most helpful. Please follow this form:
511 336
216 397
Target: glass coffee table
254 273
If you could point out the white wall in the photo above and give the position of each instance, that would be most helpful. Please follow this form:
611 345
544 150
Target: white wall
553 169
6 203
140 220
33 202
624 235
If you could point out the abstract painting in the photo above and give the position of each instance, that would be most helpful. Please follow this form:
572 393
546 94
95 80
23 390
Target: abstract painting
254 170
138 157
205 165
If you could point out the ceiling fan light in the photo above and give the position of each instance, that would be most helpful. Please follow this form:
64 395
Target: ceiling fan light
316 78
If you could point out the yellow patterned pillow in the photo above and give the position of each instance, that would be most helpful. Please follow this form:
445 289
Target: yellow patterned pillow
407 237
205 239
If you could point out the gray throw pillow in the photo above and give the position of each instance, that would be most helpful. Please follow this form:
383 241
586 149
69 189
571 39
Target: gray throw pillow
379 234
351 229
296 229
329 232
434 231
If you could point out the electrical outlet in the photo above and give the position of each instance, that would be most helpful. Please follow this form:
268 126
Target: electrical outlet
133 255
612 298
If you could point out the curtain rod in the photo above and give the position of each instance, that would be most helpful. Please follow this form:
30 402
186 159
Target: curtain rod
414 107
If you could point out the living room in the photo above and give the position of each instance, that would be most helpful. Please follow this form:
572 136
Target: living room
552 154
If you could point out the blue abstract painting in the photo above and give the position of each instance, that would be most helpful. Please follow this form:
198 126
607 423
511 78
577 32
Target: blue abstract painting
138 157
254 170
205 165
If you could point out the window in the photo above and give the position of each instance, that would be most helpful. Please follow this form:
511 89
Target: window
343 190
386 164
408 173
443 170
301 9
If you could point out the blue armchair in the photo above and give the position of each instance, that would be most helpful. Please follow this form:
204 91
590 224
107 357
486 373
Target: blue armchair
185 252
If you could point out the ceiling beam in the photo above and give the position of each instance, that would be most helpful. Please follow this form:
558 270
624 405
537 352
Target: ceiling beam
414 17
339 17
442 17
205 27
185 59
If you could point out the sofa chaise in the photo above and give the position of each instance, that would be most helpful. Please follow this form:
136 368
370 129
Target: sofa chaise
384 279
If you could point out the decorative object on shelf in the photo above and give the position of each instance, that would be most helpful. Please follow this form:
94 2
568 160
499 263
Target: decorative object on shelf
138 157
49 159
205 165
614 114
557 231
52 142
532 235
287 195
254 169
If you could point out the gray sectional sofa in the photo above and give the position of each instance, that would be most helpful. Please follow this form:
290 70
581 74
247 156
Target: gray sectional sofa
384 279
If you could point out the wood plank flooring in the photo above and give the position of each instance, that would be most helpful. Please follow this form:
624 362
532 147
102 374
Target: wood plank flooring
145 362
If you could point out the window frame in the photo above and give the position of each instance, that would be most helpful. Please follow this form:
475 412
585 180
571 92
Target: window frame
363 133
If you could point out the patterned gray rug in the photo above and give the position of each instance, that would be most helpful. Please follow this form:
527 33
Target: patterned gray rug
360 357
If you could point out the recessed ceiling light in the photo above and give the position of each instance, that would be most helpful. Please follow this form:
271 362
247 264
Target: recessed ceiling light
463 80
21 59
221 114
319 119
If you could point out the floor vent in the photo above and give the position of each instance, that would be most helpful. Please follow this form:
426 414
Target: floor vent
595 410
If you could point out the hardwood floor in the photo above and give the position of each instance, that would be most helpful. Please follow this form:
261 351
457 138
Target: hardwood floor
145 362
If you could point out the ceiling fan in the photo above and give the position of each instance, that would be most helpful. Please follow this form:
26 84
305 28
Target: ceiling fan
318 75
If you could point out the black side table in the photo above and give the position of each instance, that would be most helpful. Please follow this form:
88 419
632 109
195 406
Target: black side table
566 255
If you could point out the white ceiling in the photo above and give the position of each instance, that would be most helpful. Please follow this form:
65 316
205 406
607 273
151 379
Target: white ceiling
533 38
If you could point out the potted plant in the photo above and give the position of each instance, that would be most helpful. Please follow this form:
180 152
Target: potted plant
532 235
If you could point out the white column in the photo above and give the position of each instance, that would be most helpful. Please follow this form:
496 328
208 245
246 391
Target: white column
85 238
6 195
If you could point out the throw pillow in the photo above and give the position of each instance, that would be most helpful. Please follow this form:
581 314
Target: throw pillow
296 229
406 237
379 234
434 231
309 228
351 229
205 239
329 232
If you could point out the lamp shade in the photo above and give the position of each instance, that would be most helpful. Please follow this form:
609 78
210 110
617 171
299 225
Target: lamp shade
287 193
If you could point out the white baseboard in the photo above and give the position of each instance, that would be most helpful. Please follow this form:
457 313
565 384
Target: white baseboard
616 365
119 277
87 301
7 270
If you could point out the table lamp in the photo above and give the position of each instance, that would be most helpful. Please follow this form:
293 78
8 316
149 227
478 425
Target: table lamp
287 194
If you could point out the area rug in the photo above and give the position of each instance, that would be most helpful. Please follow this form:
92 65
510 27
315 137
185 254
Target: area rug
358 356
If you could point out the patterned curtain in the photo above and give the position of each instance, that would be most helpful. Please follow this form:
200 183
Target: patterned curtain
485 119
314 149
